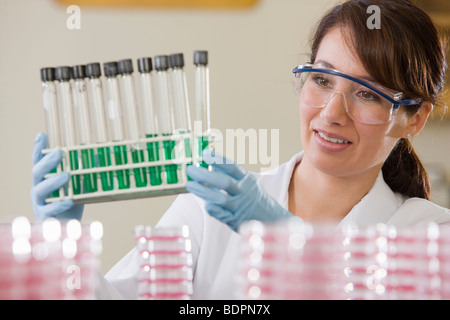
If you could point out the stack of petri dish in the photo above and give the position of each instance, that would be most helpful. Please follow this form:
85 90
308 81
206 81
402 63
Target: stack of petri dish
82 247
260 262
165 263
428 251
387 262
290 260
51 260
366 262
443 262
407 259
315 262
297 260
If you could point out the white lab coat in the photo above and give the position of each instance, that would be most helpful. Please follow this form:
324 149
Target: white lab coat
215 247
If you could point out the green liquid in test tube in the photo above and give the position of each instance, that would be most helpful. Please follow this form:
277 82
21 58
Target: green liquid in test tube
166 121
145 68
201 144
121 158
84 126
132 119
153 155
116 122
180 100
65 105
95 93
202 104
168 154
50 103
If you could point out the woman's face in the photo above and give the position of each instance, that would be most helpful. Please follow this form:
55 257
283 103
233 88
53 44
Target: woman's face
366 147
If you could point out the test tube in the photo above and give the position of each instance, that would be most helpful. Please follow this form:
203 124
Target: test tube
116 122
145 68
202 102
166 120
65 105
50 107
100 132
84 127
180 99
130 108
50 103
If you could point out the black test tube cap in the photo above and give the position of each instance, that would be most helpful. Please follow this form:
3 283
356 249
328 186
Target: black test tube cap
78 72
176 60
125 66
145 65
110 69
47 74
63 73
161 63
201 58
93 70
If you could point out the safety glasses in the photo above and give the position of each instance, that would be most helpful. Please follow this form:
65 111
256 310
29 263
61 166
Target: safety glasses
364 101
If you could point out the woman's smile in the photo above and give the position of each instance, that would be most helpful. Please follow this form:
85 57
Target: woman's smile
330 142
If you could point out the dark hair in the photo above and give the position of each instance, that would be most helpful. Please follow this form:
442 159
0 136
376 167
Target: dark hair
405 54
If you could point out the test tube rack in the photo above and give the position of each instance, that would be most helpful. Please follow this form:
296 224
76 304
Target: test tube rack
127 161
179 159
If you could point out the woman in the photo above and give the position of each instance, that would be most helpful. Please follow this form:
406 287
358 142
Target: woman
363 95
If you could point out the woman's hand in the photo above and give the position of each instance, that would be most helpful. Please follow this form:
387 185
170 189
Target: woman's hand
42 188
231 193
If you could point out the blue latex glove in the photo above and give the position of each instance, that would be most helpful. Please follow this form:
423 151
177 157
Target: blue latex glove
43 164
231 193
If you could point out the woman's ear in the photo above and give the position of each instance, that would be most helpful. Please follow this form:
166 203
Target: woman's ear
418 120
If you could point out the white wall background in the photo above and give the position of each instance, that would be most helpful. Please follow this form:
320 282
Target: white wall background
251 52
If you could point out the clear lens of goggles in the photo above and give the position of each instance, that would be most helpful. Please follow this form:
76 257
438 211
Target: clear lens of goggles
361 103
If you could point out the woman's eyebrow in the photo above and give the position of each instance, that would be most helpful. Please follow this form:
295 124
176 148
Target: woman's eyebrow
331 66
325 64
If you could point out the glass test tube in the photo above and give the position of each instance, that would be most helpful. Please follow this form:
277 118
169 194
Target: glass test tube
84 126
202 102
116 122
145 68
180 99
130 109
166 121
98 117
65 105
50 103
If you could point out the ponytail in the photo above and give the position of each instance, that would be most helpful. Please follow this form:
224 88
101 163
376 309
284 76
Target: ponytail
404 172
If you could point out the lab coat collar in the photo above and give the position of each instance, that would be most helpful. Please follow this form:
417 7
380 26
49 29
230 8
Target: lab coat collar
377 206
276 181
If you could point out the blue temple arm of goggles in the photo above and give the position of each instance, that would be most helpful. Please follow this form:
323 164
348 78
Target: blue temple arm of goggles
396 103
